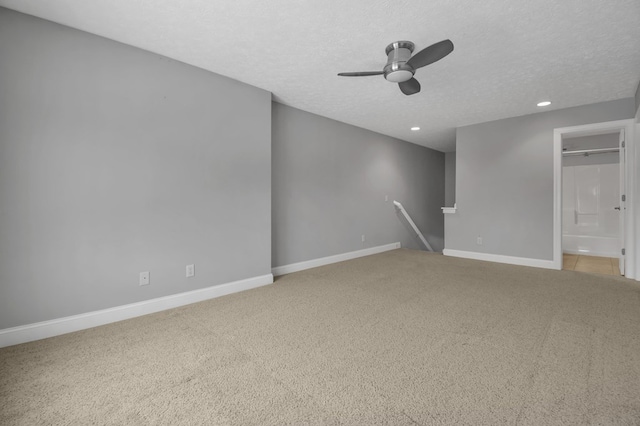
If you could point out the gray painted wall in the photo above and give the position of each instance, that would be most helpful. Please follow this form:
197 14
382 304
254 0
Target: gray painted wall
329 184
449 179
114 161
637 98
609 140
504 180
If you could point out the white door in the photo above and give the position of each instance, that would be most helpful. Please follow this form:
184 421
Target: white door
622 199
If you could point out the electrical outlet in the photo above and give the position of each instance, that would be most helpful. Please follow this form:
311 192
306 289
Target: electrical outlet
363 238
191 270
144 278
479 241
386 198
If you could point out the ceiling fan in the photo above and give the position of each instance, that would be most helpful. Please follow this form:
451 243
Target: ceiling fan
401 65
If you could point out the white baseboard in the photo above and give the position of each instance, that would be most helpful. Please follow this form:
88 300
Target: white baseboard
511 260
42 330
301 266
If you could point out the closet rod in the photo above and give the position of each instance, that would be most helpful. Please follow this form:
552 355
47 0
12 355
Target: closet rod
591 151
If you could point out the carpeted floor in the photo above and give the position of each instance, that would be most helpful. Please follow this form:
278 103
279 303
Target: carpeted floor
400 338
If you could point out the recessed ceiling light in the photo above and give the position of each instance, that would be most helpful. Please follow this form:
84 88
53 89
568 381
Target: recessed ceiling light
545 103
415 128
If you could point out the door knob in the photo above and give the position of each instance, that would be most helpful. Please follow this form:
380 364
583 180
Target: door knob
617 208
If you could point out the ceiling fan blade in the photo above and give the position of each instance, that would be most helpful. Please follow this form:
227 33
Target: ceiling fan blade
431 54
410 87
360 74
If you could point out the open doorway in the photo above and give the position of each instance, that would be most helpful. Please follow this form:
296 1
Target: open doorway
592 232
592 190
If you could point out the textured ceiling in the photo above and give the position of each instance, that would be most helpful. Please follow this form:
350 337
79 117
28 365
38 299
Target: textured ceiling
509 54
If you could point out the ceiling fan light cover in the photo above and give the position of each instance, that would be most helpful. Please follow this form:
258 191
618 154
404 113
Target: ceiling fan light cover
399 76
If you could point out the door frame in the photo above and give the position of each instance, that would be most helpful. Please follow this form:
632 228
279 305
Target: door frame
630 168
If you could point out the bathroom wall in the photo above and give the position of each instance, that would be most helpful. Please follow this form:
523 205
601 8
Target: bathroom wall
590 193
610 140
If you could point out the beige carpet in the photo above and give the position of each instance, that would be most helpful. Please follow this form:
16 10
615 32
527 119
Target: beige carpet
399 338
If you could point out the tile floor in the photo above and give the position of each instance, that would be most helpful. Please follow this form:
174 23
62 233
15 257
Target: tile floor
593 264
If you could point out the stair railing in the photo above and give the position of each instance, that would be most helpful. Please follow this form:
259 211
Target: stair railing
413 225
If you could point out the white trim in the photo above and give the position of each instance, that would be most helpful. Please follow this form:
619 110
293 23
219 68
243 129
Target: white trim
511 260
42 330
449 210
557 199
631 263
634 175
301 266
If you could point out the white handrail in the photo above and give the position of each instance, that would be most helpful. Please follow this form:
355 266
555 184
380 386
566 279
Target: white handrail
413 225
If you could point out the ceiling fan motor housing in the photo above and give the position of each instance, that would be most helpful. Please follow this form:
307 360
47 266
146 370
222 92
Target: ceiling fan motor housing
398 53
